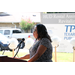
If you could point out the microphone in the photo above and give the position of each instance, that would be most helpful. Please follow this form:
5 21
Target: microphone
20 42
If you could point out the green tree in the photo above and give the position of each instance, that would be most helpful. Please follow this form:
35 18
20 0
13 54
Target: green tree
26 24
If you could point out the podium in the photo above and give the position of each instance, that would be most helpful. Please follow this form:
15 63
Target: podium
9 59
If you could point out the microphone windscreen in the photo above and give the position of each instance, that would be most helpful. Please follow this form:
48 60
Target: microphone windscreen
23 39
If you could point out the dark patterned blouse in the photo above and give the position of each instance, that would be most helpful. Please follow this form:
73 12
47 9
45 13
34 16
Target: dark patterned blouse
47 56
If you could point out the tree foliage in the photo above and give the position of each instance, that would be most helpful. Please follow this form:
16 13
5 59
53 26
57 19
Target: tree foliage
26 24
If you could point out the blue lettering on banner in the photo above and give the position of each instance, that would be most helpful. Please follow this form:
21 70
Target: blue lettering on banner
68 34
72 27
68 38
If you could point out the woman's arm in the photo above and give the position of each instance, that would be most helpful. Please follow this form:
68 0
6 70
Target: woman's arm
25 57
41 49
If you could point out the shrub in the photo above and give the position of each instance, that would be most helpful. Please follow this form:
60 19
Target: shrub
26 24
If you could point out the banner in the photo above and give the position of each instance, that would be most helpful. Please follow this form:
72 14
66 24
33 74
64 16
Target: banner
58 18
61 25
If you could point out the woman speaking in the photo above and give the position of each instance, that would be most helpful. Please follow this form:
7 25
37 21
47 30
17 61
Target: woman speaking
41 51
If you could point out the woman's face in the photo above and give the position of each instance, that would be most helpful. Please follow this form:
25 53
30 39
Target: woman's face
35 34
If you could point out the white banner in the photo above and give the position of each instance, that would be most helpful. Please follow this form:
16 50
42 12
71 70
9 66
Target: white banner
61 25
58 18
64 31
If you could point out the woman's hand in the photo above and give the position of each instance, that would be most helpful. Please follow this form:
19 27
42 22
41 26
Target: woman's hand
24 57
15 57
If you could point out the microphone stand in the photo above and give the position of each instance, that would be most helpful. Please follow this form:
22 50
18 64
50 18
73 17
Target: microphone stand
17 51
19 47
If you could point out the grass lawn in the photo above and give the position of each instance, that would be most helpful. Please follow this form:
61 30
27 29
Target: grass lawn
61 57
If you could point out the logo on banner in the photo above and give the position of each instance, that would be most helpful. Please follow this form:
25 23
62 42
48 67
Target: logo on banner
69 32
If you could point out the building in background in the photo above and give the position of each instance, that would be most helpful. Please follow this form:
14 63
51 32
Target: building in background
11 19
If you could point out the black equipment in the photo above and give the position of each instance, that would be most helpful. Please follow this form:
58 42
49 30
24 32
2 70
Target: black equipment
4 47
20 42
19 46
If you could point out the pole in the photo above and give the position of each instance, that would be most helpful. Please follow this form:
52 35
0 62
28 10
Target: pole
14 24
73 55
55 55
13 52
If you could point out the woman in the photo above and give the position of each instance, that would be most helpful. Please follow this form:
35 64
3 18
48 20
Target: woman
41 51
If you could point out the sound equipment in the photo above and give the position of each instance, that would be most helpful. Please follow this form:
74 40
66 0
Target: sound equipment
9 59
20 42
19 47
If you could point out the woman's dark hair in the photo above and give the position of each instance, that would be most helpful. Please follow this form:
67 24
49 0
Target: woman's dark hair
42 32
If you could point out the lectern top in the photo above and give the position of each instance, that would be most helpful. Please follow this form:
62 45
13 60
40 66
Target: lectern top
4 58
